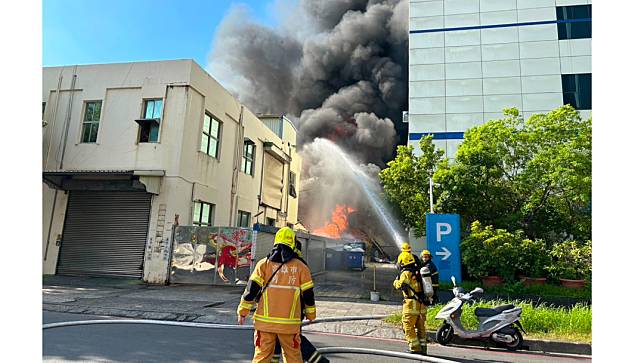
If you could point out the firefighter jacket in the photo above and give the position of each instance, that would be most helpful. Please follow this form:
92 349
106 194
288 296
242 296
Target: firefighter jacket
408 280
279 308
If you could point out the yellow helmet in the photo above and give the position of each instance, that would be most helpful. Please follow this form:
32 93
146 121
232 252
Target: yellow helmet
285 236
406 258
405 247
425 252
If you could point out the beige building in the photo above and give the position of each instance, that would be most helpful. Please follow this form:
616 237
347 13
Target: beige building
130 149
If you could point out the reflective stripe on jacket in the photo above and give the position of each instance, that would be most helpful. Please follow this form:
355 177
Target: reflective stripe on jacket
279 309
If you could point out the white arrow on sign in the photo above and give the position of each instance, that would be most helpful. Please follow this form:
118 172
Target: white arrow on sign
445 253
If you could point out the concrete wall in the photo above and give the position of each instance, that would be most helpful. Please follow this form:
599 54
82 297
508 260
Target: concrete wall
188 93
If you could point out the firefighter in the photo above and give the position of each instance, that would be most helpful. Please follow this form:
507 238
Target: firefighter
309 352
426 260
276 285
406 248
414 312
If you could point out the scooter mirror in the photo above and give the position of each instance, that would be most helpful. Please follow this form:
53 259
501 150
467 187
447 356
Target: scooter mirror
454 280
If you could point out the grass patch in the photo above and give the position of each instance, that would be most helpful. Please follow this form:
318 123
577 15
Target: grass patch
517 288
542 322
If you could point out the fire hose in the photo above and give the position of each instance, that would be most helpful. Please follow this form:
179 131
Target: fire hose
326 350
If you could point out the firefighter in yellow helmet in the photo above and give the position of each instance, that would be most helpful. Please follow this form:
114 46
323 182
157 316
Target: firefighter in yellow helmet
406 248
414 312
279 285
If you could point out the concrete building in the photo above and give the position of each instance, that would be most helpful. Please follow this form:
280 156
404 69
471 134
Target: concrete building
469 59
130 149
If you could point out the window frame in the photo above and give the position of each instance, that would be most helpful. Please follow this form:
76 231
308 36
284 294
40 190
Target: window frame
158 120
240 215
573 30
90 122
211 213
210 136
576 93
245 157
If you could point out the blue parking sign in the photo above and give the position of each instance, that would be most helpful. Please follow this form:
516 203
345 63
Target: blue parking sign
443 241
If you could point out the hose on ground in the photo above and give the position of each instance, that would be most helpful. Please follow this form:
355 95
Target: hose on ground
200 325
385 353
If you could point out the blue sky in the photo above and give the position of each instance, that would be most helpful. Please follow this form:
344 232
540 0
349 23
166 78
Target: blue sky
107 31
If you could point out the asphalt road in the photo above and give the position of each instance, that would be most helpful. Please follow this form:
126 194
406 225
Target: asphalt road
151 343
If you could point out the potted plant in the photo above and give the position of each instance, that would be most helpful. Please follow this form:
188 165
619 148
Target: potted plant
572 263
533 259
489 254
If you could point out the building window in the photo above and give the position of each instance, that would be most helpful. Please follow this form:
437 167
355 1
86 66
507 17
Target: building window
270 222
578 27
291 184
289 225
91 118
152 112
210 135
243 219
248 159
577 90
202 214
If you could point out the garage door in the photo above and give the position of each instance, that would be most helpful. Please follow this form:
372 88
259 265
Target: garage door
105 233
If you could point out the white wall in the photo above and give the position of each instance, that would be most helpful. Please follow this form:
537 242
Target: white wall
460 79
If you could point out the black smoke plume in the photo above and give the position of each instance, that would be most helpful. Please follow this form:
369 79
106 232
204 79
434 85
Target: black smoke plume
337 68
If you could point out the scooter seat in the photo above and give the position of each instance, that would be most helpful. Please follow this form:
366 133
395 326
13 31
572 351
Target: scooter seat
485 312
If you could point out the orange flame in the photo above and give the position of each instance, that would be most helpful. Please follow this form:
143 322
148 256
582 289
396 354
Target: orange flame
339 223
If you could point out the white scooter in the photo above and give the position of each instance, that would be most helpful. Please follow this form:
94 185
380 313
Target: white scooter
500 324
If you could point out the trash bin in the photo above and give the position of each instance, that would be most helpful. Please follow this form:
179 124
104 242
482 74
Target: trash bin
355 259
336 258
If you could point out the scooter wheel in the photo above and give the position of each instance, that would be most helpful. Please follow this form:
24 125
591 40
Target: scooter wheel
445 334
517 340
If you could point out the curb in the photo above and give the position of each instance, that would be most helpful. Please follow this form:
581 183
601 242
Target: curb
546 346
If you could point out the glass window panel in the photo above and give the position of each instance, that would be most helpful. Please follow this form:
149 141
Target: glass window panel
97 111
158 108
206 124
89 110
212 151
204 143
214 131
154 133
93 132
149 109
205 214
86 131
196 212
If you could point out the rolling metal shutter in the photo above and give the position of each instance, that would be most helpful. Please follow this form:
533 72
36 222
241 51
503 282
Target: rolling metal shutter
105 233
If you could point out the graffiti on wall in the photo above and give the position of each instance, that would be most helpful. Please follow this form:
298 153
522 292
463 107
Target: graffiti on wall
211 255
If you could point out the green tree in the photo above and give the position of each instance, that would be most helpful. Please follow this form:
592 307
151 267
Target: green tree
406 182
532 175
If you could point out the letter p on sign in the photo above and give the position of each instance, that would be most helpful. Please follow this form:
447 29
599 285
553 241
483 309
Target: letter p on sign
442 229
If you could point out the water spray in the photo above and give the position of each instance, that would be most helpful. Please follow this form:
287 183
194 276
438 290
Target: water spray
367 186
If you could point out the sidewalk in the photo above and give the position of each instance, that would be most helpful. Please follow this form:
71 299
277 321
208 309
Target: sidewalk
204 304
